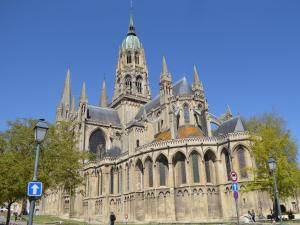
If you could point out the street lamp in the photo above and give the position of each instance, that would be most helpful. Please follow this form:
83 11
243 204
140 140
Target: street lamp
272 167
40 131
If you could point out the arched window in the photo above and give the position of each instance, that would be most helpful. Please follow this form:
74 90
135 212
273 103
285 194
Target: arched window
149 174
128 57
128 82
180 170
97 143
242 162
137 143
195 166
163 170
186 113
139 175
139 80
111 181
210 159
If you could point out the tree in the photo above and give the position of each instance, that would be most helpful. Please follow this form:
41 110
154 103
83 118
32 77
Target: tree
59 165
270 137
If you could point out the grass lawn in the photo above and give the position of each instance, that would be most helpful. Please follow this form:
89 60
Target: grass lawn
44 219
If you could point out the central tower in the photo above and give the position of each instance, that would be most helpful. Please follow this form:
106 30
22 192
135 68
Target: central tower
132 88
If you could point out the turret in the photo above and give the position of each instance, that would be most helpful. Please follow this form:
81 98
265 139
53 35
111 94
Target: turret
165 83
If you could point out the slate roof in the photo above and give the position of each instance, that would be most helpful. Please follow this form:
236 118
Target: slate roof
104 115
181 87
232 125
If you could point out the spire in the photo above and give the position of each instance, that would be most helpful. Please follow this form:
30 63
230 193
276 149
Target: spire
164 70
83 96
103 98
66 95
197 84
131 28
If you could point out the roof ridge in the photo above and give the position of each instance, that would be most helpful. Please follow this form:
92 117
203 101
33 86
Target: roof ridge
105 108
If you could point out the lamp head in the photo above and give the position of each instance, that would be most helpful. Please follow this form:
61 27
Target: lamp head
272 164
40 130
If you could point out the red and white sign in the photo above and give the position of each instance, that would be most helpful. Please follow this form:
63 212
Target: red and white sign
233 176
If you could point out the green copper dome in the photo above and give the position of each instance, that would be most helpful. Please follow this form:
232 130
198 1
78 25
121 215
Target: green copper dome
131 41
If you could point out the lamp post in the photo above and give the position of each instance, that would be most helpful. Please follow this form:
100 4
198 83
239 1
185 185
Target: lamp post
272 167
40 131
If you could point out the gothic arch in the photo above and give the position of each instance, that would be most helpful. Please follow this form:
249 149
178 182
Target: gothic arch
210 168
139 170
128 82
186 113
160 155
226 164
97 142
195 165
139 84
148 172
162 169
173 153
242 160
180 168
195 150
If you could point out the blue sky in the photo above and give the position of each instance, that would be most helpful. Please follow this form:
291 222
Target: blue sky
247 52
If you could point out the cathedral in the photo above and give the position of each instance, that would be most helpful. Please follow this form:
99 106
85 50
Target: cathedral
156 159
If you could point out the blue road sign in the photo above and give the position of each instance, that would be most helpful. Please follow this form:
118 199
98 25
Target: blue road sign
35 189
235 187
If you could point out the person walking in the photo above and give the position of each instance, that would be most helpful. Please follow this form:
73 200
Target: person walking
112 218
253 215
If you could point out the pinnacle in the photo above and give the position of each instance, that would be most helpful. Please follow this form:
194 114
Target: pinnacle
164 66
196 76
103 98
83 96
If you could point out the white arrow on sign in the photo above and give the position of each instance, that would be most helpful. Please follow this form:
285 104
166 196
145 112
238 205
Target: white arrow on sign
35 188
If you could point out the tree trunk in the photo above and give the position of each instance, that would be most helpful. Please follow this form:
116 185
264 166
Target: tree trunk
8 213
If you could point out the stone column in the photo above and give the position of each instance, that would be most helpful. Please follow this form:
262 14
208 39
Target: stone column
219 172
171 185
202 172
116 181
189 172
155 175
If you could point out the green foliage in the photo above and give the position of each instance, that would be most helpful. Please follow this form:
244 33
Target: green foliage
59 165
271 138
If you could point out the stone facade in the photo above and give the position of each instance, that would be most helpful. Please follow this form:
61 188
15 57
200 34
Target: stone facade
156 159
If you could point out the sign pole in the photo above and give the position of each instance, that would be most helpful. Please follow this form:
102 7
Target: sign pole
32 201
234 179
237 211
